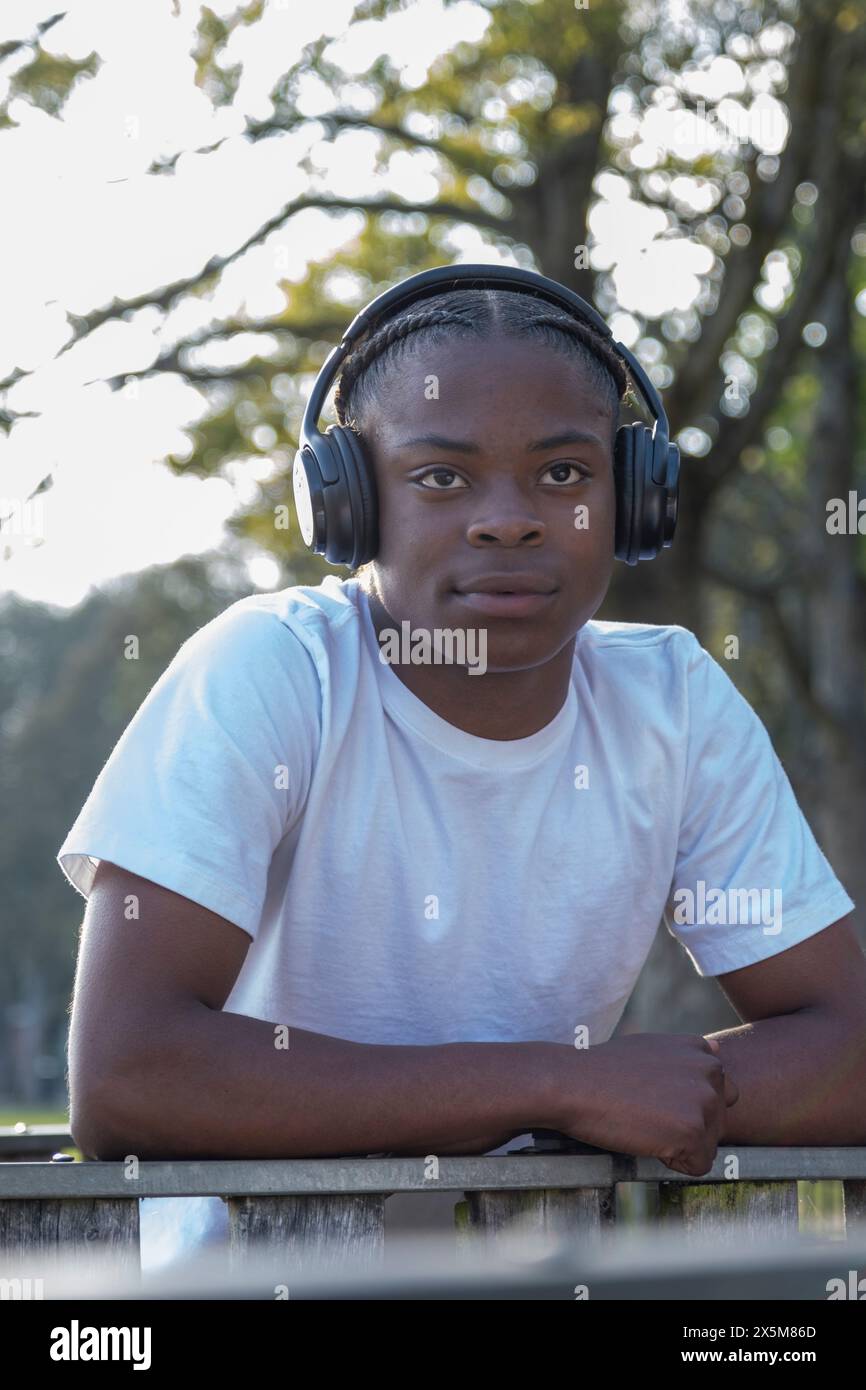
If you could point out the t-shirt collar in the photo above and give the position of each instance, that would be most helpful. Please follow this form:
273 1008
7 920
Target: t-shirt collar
410 710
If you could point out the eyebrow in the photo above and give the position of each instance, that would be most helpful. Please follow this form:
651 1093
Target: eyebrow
464 446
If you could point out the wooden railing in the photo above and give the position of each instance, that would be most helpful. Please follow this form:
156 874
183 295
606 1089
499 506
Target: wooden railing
325 1211
26 1141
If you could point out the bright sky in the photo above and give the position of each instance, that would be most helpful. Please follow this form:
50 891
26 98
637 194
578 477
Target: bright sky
83 223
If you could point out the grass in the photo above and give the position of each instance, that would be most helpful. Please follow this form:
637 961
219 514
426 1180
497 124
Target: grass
32 1115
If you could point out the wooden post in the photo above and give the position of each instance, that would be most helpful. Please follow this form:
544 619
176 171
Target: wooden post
730 1210
79 1226
322 1229
854 1206
854 1199
584 1214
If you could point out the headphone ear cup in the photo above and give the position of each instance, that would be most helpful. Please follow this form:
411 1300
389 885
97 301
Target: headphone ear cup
358 533
640 509
643 539
623 477
651 498
368 536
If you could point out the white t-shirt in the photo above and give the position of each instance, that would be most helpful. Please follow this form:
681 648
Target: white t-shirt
404 881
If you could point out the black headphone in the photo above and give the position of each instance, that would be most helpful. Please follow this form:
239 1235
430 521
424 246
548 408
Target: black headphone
333 479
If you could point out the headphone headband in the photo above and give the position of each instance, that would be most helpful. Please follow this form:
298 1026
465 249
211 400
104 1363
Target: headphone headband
430 282
334 482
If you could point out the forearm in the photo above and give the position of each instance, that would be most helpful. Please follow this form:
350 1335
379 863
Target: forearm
801 1077
215 1084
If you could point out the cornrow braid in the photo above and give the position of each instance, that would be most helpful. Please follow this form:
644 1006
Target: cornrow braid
382 347
589 338
482 313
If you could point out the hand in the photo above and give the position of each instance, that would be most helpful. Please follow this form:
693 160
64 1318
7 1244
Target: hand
657 1095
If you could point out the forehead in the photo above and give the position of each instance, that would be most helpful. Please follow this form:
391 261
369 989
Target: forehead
495 385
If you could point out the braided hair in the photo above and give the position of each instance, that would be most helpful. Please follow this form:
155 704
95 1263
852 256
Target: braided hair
480 313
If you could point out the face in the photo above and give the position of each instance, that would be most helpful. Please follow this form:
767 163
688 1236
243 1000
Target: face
502 491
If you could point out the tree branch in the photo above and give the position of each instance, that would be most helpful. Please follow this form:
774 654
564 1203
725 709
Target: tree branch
814 96
7 49
337 121
85 324
169 360
844 192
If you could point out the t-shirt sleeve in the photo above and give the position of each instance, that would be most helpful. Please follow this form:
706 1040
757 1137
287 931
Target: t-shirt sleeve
211 772
750 879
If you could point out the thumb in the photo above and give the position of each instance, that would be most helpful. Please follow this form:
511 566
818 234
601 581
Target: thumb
732 1090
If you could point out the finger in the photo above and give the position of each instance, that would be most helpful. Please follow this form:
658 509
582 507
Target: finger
691 1167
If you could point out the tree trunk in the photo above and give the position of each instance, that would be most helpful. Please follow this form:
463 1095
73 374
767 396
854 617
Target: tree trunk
835 636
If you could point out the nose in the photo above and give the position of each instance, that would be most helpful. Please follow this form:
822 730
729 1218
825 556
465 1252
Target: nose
505 533
507 523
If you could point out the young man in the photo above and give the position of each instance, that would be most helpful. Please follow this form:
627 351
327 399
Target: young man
446 881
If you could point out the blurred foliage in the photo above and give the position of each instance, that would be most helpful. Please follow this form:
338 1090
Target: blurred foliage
516 128
47 82
41 78
218 79
66 695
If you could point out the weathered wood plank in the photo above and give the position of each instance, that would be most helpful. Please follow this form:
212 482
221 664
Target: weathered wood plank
492 1218
323 1230
731 1210
854 1190
77 1226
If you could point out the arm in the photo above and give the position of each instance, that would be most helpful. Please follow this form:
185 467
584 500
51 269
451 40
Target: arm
157 1069
799 1060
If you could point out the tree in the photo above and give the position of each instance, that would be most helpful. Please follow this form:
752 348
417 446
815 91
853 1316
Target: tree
66 695
761 374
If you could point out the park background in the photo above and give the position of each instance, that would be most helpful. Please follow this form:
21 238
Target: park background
197 199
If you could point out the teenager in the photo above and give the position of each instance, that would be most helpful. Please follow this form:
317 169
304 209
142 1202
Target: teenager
446 881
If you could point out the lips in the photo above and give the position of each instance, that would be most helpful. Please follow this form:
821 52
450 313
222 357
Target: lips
499 604
522 583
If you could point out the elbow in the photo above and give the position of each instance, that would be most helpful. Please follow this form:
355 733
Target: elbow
87 1122
98 1129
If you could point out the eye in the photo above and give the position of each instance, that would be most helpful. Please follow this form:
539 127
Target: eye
439 473
564 464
